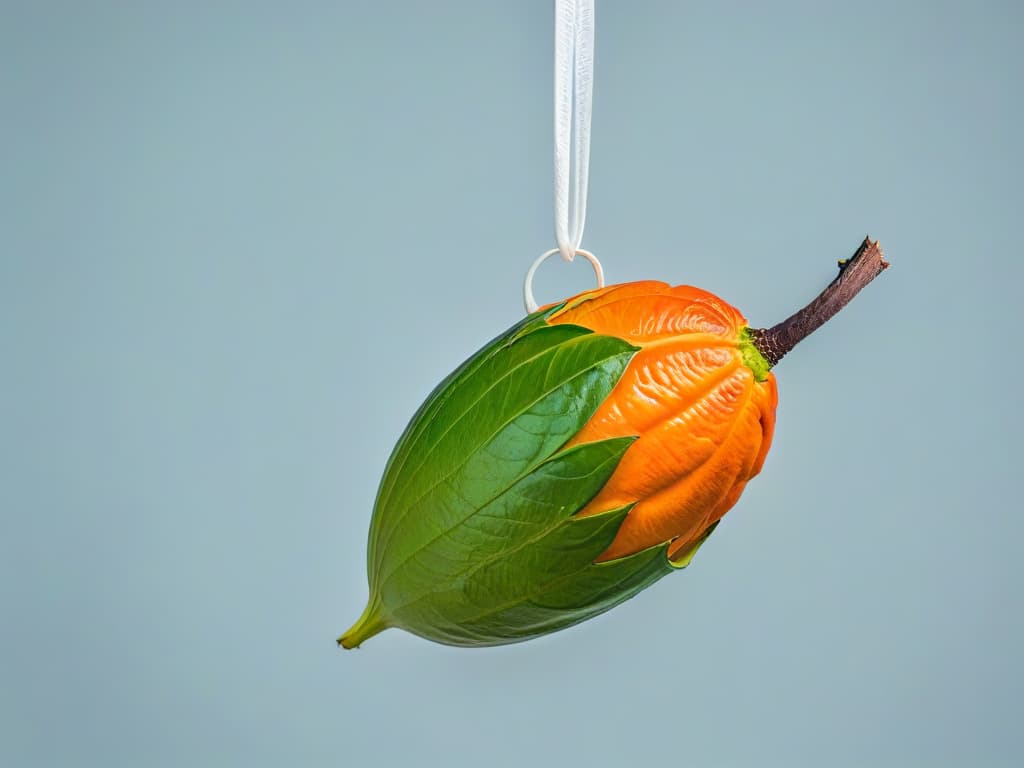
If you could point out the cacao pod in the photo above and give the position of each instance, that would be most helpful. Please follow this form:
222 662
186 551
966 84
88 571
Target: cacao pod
570 463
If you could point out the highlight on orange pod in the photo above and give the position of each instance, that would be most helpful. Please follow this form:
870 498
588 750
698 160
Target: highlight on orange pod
703 421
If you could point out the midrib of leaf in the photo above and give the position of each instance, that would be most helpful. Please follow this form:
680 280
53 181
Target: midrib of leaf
445 396
532 594
545 530
426 413
441 394
552 351
405 510
551 586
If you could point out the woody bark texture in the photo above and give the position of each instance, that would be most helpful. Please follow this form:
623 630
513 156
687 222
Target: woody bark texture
854 273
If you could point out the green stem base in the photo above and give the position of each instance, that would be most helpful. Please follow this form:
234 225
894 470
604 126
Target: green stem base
368 625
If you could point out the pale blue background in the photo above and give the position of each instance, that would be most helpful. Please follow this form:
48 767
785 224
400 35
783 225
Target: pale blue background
239 242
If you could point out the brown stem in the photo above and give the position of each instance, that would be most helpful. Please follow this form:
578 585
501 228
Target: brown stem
854 273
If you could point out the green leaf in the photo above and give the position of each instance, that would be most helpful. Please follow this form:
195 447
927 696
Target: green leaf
474 539
508 531
584 594
507 410
436 400
522 565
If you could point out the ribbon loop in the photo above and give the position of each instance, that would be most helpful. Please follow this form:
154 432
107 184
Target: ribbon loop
528 298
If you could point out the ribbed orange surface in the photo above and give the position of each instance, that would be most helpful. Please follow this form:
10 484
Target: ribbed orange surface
704 423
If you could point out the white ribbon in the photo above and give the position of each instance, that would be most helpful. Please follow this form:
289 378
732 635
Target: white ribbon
574 89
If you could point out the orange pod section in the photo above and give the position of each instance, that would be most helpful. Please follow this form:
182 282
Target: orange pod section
700 400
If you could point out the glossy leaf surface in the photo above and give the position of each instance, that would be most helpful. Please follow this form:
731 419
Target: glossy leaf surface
473 539
570 463
517 568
